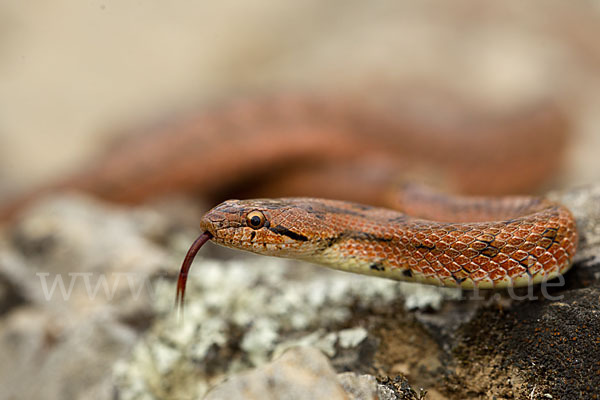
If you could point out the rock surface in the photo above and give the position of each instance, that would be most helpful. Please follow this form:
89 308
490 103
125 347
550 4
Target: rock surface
80 270
240 314
303 373
123 336
547 347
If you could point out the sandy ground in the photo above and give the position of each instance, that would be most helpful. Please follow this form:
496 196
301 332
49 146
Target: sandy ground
73 75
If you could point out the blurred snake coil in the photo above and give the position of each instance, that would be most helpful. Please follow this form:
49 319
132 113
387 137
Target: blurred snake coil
358 150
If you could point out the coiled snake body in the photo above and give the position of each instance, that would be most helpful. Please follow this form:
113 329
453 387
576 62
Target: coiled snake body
526 241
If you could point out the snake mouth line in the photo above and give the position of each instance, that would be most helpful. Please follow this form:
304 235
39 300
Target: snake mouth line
241 243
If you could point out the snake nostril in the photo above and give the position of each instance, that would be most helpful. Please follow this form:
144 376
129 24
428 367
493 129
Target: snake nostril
211 223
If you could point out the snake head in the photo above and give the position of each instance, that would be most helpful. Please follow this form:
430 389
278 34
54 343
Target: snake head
288 227
283 227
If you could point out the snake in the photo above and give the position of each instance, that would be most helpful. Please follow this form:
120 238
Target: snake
356 149
323 145
510 241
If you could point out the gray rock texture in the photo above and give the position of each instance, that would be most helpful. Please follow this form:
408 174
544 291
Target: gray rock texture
302 373
79 269
549 347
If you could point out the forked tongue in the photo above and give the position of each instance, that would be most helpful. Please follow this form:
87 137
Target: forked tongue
185 268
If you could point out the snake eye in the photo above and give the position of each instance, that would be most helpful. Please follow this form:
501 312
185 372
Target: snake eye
255 219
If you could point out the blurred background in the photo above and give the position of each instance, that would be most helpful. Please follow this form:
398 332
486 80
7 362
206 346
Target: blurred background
75 76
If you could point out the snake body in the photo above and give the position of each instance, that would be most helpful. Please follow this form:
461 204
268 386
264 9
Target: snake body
356 150
327 146
528 240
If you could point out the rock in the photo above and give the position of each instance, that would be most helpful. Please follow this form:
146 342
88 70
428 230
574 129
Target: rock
304 373
42 358
301 373
584 203
242 313
359 387
536 349
397 389
77 277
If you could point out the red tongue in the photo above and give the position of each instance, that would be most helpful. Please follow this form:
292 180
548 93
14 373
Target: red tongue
185 267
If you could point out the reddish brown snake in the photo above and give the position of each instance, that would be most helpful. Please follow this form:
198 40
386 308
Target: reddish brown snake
293 145
531 240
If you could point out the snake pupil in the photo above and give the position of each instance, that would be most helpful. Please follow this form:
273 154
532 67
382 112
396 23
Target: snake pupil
255 221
